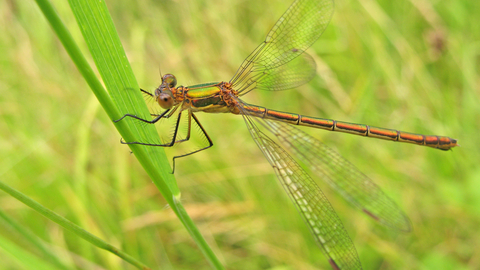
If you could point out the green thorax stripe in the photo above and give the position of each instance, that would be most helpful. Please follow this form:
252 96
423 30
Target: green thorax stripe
201 85
202 91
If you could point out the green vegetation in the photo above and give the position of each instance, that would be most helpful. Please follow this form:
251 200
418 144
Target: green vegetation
407 65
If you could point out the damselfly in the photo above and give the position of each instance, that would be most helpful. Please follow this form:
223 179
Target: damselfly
280 63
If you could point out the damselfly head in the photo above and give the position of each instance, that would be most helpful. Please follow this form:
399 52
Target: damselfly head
163 94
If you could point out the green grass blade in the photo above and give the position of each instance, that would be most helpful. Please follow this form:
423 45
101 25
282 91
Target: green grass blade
70 226
22 258
34 240
107 51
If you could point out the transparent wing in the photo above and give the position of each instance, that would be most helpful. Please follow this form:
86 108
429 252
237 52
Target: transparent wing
343 176
298 28
293 74
315 209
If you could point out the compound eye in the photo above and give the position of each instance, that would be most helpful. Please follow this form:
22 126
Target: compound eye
170 80
165 100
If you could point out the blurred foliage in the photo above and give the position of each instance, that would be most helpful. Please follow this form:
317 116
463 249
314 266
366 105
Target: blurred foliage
407 65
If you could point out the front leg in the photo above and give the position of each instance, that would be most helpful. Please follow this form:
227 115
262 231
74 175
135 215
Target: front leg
145 120
174 137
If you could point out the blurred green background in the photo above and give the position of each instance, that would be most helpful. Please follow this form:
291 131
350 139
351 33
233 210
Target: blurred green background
408 65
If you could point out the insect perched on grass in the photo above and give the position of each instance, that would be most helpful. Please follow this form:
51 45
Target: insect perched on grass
280 63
